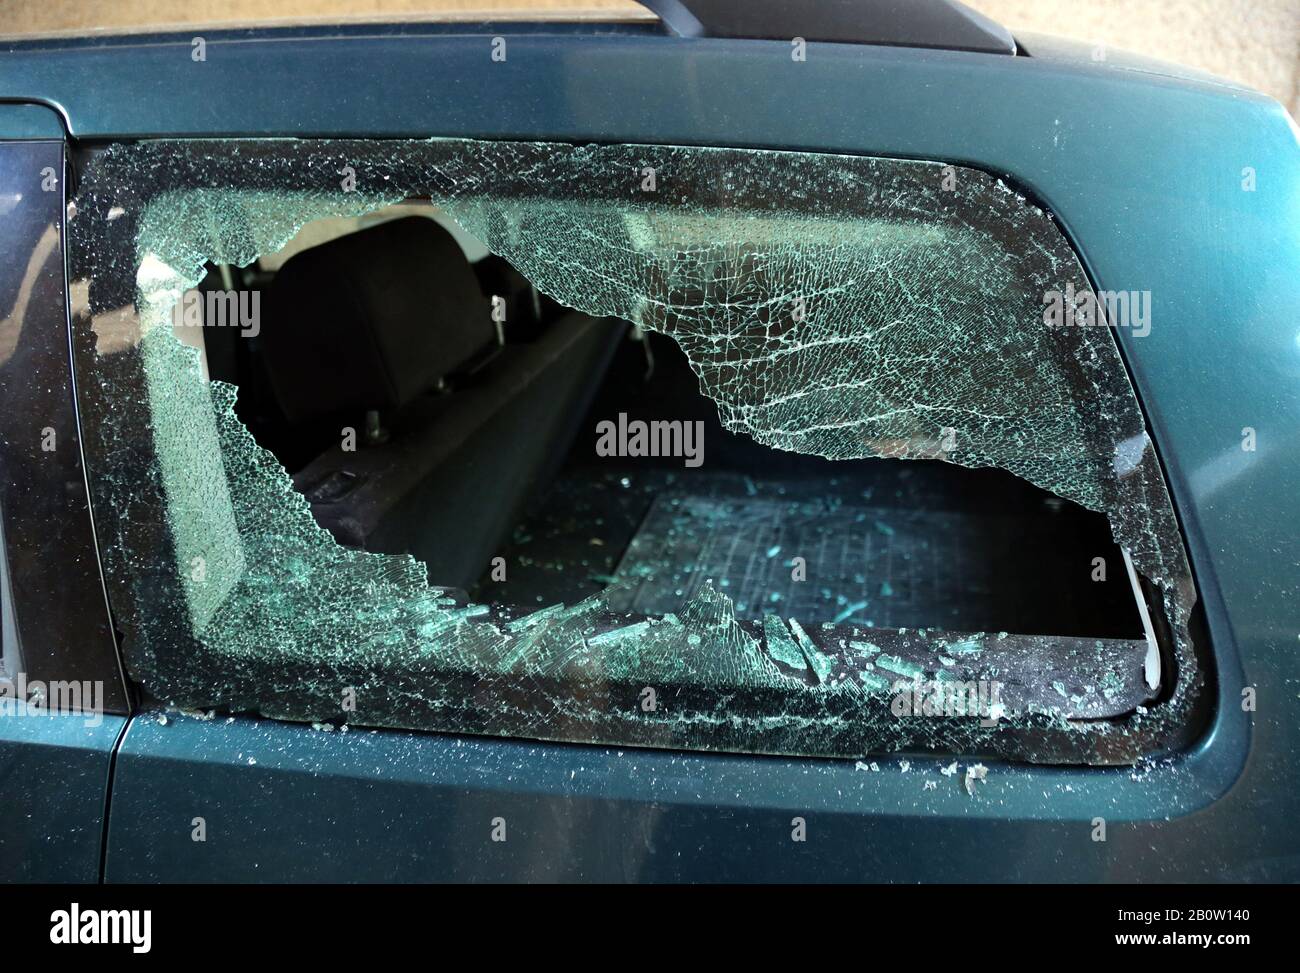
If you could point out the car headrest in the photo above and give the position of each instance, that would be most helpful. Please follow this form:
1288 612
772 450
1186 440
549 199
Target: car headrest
372 320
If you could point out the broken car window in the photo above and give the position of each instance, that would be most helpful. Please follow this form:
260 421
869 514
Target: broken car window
603 443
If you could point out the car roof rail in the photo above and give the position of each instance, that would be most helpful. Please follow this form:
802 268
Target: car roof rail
945 24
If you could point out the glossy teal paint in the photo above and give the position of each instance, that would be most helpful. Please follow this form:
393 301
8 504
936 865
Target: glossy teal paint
21 123
54 773
282 802
1142 169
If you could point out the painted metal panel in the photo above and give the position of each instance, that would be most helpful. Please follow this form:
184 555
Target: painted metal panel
1145 173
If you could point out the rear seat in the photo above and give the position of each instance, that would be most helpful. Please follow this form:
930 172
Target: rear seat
391 320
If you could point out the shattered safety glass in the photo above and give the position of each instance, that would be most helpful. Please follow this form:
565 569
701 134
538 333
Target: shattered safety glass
831 309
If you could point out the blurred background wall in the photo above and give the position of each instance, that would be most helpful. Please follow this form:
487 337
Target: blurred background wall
1255 42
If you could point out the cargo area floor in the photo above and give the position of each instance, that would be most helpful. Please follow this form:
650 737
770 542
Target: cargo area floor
881 545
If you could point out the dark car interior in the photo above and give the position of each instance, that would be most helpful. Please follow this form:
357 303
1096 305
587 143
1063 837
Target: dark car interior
415 419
